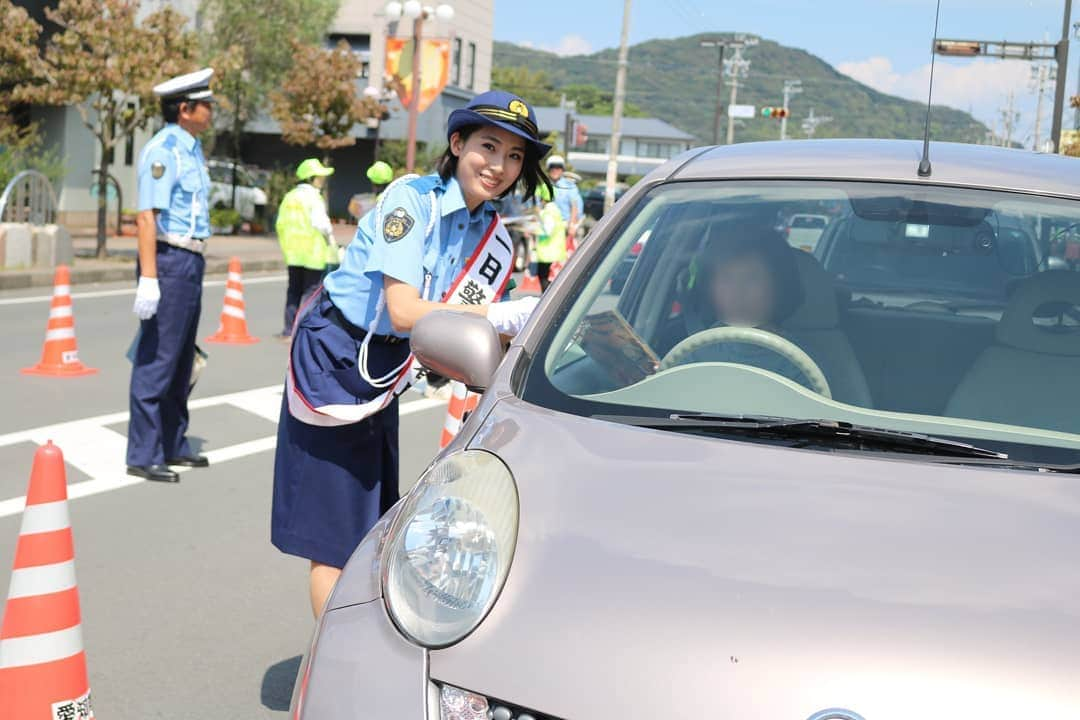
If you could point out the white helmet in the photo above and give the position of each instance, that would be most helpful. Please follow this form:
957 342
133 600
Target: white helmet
554 160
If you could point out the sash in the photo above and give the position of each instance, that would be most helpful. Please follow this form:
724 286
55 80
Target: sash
481 281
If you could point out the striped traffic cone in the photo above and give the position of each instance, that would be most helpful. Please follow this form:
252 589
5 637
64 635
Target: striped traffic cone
529 283
60 354
42 662
462 402
233 327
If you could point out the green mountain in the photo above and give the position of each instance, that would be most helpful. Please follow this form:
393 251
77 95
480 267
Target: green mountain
675 80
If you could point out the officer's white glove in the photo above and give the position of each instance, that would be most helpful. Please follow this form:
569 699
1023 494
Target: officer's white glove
147 296
510 317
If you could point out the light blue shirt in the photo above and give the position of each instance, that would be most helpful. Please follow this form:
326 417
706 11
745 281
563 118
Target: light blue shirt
400 249
567 195
182 190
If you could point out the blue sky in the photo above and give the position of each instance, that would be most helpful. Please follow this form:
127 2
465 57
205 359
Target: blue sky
884 43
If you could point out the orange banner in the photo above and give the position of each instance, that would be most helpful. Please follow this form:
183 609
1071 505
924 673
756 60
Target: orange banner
434 69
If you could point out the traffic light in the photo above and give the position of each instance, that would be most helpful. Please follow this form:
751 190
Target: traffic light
778 113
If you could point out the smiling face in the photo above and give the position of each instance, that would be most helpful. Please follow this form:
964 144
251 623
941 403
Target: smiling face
489 163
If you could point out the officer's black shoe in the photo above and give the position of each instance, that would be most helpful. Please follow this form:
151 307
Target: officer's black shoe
193 461
158 473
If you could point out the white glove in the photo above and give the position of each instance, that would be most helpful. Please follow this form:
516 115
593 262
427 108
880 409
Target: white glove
510 317
147 296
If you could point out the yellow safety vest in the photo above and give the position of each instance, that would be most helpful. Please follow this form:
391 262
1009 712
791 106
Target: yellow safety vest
301 243
551 242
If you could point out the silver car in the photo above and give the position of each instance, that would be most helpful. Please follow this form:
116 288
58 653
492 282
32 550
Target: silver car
754 483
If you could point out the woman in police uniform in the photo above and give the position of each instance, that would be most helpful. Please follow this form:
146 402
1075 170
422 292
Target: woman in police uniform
430 240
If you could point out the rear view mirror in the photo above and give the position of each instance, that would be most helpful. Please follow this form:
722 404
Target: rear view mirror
458 345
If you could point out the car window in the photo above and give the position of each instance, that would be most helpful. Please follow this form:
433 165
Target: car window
917 310
807 221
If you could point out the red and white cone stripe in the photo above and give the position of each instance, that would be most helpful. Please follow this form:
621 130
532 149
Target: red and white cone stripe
462 402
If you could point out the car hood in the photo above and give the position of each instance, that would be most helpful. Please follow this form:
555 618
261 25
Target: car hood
663 575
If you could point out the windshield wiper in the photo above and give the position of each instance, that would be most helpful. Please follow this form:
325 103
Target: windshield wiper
824 431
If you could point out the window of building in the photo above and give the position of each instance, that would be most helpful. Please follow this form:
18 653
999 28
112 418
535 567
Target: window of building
470 67
658 150
596 145
455 63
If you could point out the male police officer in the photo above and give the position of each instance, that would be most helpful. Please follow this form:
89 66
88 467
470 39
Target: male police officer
173 224
567 196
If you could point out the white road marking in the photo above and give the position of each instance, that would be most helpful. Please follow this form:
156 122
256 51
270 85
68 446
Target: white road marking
131 291
98 451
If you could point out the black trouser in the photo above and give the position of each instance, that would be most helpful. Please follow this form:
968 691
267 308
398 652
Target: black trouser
302 282
543 270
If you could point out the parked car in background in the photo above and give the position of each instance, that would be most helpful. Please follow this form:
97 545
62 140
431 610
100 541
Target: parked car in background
250 196
803 230
594 199
853 494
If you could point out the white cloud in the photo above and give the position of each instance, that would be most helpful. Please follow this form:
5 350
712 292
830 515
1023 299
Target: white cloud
979 85
567 45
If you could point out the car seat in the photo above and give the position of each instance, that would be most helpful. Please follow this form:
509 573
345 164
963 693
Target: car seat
1029 375
815 327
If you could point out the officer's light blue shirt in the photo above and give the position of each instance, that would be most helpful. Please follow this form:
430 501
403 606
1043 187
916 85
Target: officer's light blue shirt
182 192
567 195
410 257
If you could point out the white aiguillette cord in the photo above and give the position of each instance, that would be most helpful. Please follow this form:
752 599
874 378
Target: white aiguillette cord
362 359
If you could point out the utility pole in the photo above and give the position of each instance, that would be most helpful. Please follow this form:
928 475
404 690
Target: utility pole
616 116
736 67
570 108
1009 118
1076 112
719 88
1061 54
791 87
810 124
1040 75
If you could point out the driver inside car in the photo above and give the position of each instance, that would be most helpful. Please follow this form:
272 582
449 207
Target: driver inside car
744 277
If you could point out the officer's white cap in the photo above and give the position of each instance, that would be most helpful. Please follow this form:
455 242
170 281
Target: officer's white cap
192 86
556 160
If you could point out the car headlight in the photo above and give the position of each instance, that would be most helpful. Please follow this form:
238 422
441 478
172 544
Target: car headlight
449 550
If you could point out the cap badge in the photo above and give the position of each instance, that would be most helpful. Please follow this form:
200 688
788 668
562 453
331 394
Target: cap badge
519 108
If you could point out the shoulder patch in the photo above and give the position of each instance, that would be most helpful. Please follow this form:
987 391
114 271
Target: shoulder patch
157 170
397 225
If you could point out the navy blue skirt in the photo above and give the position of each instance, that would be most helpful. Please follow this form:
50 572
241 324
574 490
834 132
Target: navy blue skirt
331 484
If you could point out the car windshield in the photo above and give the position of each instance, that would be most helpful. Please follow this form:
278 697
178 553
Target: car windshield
941 311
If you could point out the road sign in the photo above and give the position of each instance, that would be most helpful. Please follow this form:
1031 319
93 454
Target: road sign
740 111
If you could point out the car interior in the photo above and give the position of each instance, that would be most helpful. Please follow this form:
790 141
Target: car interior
926 318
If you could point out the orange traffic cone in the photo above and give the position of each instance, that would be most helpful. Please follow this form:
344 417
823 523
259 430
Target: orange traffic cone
529 283
60 354
462 402
233 327
42 662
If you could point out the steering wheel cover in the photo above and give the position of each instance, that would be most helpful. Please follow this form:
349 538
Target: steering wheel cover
752 336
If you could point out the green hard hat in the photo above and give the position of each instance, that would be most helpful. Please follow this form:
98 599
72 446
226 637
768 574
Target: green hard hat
313 168
380 173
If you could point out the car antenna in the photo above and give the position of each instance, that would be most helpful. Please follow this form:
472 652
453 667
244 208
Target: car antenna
924 163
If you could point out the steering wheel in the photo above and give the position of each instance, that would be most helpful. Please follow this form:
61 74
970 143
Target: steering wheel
752 336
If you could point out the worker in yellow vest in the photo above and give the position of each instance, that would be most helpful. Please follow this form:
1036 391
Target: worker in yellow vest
551 240
306 236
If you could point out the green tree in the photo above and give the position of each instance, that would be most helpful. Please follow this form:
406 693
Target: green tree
536 87
101 61
21 148
592 100
320 109
250 48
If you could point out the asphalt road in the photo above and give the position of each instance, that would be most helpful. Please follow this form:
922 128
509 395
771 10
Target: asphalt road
187 609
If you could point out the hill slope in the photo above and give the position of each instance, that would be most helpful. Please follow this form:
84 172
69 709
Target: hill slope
675 80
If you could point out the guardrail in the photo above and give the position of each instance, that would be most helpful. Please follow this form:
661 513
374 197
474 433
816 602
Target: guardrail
28 198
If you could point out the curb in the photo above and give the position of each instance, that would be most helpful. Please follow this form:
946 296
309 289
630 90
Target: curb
18 280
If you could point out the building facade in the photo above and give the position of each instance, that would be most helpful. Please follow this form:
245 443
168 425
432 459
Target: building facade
646 143
361 23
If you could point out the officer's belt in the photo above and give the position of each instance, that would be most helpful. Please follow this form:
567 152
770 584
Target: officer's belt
337 317
194 245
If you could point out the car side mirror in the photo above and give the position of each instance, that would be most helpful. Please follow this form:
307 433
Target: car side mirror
459 345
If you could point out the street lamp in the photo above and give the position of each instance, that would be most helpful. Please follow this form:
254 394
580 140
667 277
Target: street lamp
417 12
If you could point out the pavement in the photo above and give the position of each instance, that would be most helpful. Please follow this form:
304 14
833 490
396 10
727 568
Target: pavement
257 253
187 609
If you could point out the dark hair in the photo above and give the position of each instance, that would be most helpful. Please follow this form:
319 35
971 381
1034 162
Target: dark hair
170 109
532 174
734 241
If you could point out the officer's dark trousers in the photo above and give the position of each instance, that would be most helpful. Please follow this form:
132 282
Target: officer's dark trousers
161 372
302 282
